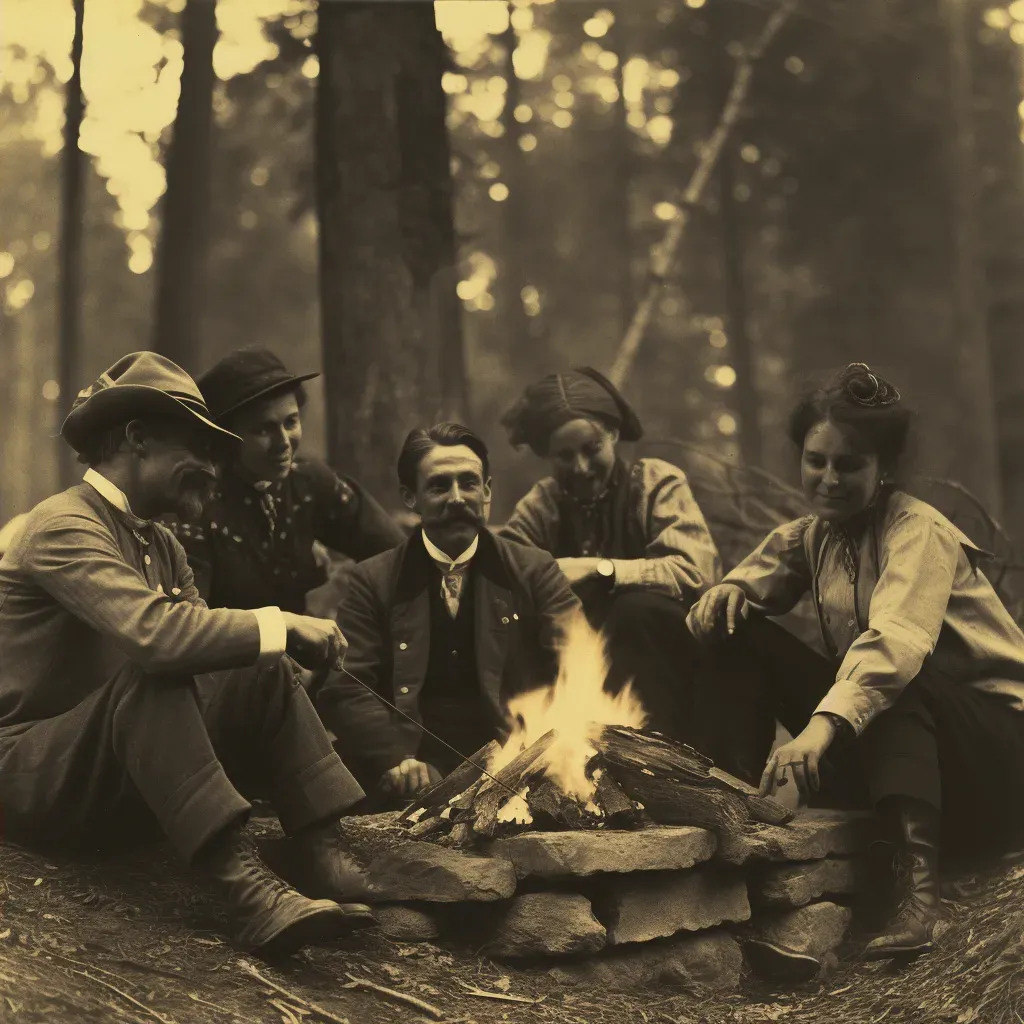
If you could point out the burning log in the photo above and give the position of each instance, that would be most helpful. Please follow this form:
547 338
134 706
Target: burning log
637 776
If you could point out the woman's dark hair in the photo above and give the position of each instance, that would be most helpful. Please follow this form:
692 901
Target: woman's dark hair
867 404
425 439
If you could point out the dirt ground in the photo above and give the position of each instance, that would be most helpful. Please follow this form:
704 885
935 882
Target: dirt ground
130 939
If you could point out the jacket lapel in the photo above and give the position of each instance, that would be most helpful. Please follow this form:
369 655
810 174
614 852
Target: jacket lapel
494 614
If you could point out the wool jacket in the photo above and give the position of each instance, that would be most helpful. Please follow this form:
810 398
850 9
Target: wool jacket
520 599
918 595
86 588
676 554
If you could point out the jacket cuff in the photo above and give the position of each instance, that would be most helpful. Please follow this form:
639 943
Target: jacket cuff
273 634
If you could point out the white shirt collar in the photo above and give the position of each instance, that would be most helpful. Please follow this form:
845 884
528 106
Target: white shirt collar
106 489
439 556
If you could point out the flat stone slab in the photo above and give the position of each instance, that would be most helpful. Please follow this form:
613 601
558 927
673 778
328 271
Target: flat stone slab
713 959
548 924
406 923
657 904
811 835
433 874
796 885
814 930
583 853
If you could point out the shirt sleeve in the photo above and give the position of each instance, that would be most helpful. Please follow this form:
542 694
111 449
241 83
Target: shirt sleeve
776 574
347 518
534 520
77 561
681 558
908 607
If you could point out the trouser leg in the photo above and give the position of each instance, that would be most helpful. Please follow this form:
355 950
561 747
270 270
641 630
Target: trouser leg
648 643
268 736
135 750
145 747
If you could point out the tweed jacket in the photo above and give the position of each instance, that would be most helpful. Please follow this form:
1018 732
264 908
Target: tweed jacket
520 598
240 562
918 595
87 588
678 556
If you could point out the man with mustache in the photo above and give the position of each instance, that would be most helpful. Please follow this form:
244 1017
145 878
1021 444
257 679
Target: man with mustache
129 707
446 627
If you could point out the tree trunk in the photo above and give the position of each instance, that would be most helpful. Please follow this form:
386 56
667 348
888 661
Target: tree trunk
185 211
71 219
973 365
393 356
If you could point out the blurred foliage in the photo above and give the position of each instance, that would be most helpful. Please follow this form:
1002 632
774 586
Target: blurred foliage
839 186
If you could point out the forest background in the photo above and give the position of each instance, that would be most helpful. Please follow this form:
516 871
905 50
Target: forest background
437 203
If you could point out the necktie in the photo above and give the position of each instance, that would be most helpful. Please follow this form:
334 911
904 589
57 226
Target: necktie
269 507
453 579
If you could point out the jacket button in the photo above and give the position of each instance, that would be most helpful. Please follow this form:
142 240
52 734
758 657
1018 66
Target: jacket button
515 616
403 647
404 689
504 620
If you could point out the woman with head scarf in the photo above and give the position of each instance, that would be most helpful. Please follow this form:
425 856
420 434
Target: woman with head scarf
629 537
918 707
254 544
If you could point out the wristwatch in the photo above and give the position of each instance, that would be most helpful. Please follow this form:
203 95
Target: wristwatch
606 570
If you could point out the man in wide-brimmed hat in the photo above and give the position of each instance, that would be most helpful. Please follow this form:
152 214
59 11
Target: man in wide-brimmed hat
126 702
254 544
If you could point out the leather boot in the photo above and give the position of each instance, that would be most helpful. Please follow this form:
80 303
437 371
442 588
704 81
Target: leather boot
913 827
325 870
267 914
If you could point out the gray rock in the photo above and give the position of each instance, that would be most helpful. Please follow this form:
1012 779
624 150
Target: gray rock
578 854
712 959
405 923
654 905
813 931
795 885
812 835
546 923
433 874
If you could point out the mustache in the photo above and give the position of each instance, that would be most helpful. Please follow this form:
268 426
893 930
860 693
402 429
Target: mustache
460 514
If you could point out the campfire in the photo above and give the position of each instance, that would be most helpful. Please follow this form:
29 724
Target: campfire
579 757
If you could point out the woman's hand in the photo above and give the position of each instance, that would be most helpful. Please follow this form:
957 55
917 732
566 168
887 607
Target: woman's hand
718 612
803 755
578 569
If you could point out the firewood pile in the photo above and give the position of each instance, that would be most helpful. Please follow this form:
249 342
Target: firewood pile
638 777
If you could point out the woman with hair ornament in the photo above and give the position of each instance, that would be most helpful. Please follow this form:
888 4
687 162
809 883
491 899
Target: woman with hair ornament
917 710
630 537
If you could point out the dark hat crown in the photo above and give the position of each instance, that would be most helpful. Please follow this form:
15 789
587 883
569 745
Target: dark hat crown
243 376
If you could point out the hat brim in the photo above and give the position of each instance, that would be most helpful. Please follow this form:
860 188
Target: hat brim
268 392
123 402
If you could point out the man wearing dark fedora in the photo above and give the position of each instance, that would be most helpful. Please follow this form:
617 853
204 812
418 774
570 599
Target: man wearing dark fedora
254 544
127 703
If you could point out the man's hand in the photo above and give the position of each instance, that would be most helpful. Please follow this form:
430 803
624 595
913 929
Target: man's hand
314 643
577 570
409 778
718 612
802 755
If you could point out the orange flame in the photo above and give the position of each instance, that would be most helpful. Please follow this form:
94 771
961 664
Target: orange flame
577 707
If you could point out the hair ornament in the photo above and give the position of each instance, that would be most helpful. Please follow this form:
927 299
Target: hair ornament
865 388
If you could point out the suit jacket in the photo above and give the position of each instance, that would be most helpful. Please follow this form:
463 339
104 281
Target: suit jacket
520 598
81 596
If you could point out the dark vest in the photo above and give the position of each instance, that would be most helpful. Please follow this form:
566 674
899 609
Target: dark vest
450 700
